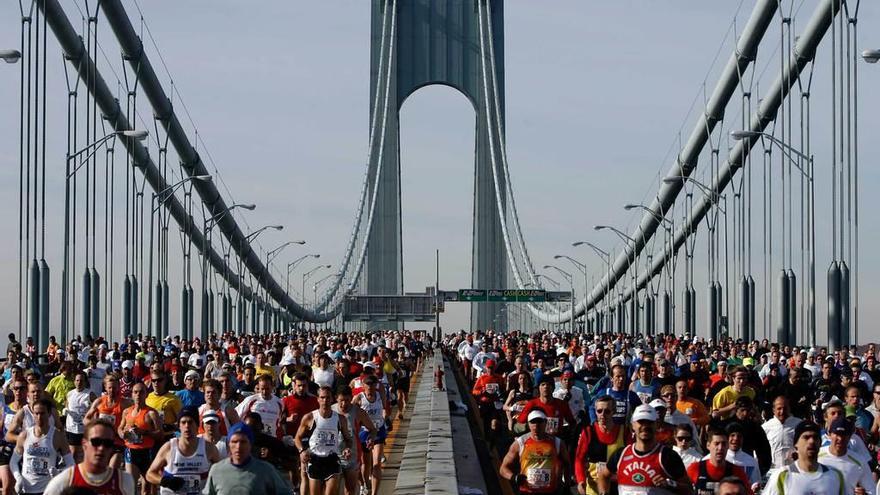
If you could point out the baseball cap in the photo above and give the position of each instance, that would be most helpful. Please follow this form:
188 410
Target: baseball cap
657 403
567 374
749 361
210 416
127 364
537 414
841 426
191 374
644 413
490 363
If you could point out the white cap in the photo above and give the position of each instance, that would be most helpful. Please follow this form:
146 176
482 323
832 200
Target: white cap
658 403
191 373
210 416
127 364
644 413
537 414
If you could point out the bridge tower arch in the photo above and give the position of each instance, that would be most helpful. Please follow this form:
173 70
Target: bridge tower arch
438 42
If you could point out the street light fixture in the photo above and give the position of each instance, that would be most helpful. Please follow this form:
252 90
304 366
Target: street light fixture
270 255
788 150
162 196
308 275
872 56
10 56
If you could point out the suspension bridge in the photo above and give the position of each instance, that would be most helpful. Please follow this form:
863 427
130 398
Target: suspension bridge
724 242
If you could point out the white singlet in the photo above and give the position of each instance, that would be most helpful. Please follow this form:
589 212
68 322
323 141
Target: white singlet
270 412
374 410
325 435
77 406
193 469
789 480
38 461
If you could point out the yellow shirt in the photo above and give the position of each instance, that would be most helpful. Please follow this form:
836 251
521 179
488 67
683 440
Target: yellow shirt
58 388
168 406
728 396
265 370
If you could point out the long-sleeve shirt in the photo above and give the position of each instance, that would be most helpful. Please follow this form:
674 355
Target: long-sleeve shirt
780 434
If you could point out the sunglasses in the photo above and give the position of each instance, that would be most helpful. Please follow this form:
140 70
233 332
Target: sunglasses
603 411
683 439
19 388
666 395
101 442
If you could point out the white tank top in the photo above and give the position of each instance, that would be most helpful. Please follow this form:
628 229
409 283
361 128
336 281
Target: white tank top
78 404
323 378
193 469
38 461
27 417
373 409
325 435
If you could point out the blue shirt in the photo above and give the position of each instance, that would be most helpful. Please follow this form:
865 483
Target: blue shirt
194 398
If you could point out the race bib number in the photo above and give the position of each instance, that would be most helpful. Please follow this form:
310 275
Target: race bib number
326 439
107 417
518 407
538 478
491 388
552 426
192 485
75 417
38 467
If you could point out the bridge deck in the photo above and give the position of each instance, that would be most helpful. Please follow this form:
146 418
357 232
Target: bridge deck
430 451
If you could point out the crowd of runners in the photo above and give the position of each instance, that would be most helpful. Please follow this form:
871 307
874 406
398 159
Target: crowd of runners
306 413
615 414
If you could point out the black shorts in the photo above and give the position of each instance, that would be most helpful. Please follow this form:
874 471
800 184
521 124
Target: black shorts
5 452
74 439
140 458
323 468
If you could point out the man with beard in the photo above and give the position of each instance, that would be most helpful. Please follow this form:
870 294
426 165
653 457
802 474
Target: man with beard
645 466
806 475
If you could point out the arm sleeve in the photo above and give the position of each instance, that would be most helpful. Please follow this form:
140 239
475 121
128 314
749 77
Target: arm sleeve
672 463
580 456
611 465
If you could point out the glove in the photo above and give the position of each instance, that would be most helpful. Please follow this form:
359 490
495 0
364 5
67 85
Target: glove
171 482
519 480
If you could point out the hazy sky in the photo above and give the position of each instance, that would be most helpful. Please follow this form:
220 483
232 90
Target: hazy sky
597 96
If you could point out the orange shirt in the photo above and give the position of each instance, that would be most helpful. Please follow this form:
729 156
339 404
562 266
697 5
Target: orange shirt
694 409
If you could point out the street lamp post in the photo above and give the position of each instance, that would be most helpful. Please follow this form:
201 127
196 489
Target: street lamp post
605 256
582 267
668 227
161 196
307 275
634 265
570 279
788 150
292 265
207 301
91 149
315 288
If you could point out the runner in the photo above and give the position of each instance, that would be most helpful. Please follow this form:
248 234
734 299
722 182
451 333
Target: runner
806 475
646 466
374 402
296 405
596 444
95 473
267 405
706 473
165 403
325 429
856 473
37 451
109 407
226 415
211 432
537 462
139 428
181 465
19 394
356 418
78 401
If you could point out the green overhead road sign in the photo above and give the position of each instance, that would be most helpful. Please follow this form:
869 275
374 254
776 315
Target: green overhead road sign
500 295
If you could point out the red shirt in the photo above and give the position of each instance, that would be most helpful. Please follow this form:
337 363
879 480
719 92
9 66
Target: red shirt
555 409
294 404
718 473
491 385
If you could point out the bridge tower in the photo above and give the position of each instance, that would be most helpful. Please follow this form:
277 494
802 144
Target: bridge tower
438 42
